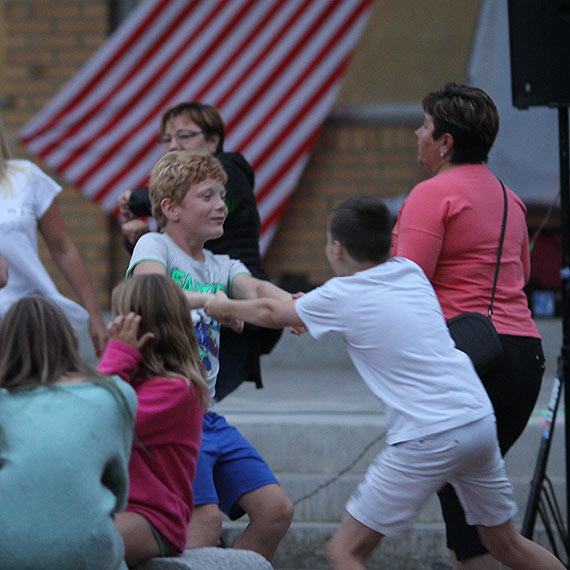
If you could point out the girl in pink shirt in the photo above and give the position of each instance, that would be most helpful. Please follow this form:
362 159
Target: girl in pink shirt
154 348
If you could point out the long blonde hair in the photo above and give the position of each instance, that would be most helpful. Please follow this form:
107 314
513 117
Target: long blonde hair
165 313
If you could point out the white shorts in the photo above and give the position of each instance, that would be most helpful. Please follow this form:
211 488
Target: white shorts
404 476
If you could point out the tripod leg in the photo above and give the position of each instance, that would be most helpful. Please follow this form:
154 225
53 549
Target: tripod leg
537 481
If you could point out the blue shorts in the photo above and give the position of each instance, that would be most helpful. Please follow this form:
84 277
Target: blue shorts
228 467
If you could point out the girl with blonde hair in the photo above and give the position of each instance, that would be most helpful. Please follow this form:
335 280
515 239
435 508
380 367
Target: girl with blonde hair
153 346
65 438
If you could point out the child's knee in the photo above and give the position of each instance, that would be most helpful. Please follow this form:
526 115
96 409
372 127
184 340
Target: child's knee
279 515
285 512
209 516
205 526
270 507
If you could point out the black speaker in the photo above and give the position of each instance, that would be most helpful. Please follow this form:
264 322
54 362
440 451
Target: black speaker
539 32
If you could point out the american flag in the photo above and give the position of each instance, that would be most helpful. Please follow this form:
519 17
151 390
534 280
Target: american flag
272 68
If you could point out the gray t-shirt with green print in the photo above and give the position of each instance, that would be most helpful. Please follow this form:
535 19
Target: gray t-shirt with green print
216 273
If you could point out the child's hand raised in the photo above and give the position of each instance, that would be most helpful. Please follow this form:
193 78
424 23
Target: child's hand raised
125 328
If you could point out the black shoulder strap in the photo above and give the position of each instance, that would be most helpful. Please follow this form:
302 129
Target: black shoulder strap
500 251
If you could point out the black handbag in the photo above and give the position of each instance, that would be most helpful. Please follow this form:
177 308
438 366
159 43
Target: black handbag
475 333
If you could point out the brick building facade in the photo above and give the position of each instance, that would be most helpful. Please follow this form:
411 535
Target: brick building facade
47 42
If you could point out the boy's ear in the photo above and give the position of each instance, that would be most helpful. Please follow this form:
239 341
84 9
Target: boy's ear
169 209
338 250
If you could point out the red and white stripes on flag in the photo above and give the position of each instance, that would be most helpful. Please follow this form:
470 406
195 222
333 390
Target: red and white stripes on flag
272 67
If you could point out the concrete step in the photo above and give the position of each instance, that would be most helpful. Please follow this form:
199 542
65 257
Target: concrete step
210 559
327 504
309 451
313 443
328 442
303 548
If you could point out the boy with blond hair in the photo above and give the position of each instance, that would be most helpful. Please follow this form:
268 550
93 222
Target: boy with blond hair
441 426
187 195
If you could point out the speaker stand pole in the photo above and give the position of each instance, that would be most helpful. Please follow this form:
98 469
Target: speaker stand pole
565 284
542 500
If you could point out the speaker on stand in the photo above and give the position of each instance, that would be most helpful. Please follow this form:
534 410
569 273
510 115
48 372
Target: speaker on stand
539 34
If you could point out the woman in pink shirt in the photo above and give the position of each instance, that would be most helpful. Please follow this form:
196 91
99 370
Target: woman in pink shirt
450 226
153 346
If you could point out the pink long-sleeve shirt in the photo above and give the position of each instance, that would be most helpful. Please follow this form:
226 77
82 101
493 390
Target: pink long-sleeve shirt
168 432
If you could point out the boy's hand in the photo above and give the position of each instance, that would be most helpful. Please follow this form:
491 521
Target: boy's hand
235 324
218 307
214 305
134 229
125 328
298 331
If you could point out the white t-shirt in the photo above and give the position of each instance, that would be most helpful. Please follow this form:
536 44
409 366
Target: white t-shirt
216 273
397 338
27 200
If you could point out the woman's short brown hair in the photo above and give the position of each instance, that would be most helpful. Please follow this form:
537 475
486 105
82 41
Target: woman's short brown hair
469 115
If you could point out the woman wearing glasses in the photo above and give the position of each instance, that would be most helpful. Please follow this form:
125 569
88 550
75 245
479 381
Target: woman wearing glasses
199 127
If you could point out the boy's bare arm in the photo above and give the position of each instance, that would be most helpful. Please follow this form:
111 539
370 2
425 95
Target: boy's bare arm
265 312
248 287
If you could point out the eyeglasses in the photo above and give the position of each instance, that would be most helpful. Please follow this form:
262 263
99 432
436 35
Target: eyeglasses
180 136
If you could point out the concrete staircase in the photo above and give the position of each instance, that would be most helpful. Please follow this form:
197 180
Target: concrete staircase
318 427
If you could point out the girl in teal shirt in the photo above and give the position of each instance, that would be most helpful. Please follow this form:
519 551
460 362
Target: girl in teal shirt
65 439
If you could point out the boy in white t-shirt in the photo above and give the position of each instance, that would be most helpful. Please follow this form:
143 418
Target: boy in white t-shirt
441 426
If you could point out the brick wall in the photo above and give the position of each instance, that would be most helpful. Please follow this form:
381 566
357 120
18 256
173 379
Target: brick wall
348 160
47 42
45 45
